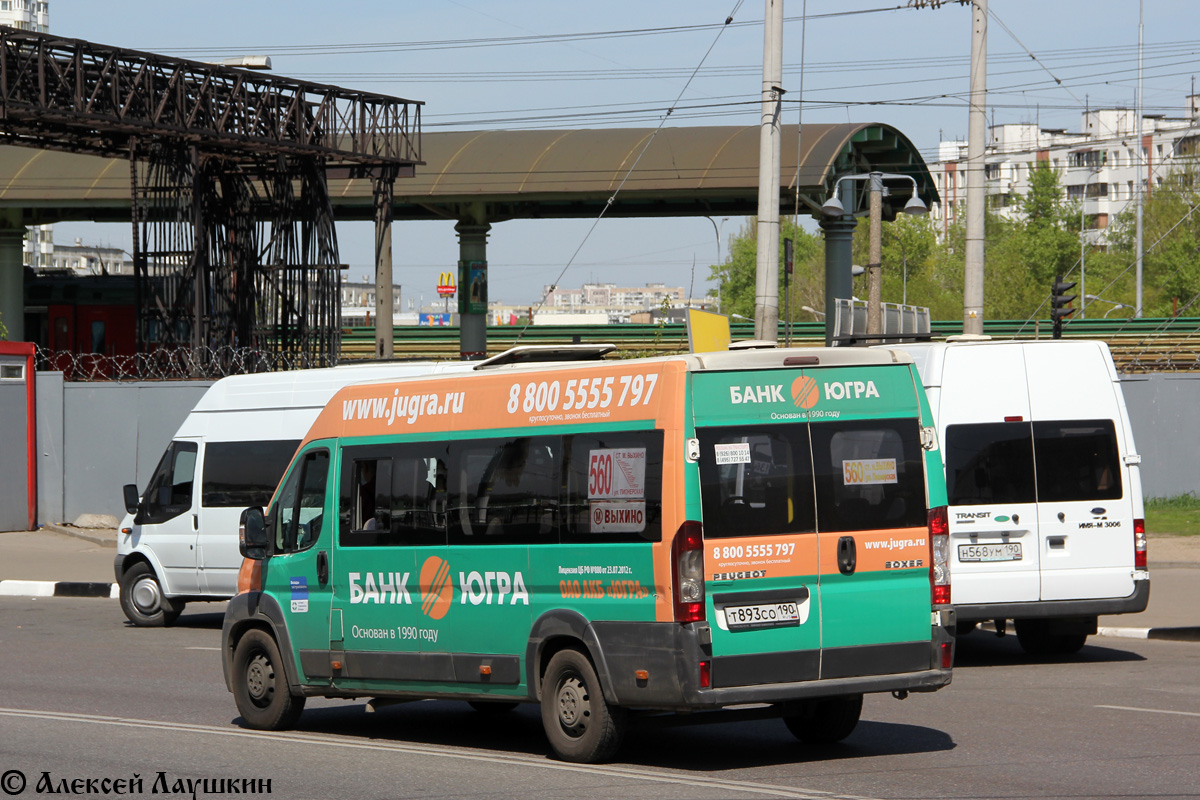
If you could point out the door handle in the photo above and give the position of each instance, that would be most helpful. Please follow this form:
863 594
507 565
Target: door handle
846 555
322 567
195 522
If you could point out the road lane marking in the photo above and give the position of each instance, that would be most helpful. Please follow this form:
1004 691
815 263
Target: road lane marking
203 648
1153 710
331 740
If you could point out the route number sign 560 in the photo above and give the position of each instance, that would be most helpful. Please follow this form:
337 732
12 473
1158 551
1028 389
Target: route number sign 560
582 393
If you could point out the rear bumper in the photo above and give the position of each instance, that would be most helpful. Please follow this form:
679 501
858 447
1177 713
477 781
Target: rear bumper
671 654
1134 603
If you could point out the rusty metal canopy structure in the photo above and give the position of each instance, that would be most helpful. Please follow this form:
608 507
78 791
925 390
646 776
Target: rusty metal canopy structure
215 157
534 174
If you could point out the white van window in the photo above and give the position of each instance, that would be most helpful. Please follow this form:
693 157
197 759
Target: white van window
169 492
241 474
989 462
1077 460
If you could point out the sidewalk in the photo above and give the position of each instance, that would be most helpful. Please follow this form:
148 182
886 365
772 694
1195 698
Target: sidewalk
81 561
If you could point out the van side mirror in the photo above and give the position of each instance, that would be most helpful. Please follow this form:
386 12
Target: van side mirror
252 534
130 493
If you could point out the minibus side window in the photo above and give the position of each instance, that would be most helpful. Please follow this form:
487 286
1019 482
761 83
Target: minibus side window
869 475
169 492
1077 460
240 474
505 491
989 462
756 480
300 511
393 495
613 487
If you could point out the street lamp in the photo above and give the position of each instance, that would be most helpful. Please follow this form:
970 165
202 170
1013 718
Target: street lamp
717 231
816 314
833 208
1115 304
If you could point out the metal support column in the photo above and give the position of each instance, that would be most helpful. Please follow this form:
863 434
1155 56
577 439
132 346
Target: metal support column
383 185
839 285
12 279
472 289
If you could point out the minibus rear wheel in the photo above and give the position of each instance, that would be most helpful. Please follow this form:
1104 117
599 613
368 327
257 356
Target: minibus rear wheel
260 686
827 720
579 723
143 601
490 707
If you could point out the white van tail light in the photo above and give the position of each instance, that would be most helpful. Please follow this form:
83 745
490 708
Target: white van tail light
1139 544
687 561
939 555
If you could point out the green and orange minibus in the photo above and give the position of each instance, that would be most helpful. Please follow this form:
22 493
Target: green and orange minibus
606 538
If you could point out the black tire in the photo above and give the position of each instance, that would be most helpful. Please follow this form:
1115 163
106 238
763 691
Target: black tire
142 598
579 723
826 721
489 707
1036 639
260 686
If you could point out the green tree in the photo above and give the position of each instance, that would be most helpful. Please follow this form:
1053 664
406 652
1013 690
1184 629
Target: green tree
1171 237
736 275
3 330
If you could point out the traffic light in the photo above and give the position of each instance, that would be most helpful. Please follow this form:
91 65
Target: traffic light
1059 299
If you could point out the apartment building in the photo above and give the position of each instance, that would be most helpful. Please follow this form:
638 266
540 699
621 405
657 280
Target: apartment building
1098 165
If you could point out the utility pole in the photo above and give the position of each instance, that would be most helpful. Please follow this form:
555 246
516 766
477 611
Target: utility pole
875 253
1139 188
766 283
976 194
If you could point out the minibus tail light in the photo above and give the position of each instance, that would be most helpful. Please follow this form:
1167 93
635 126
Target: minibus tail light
939 555
687 560
1139 544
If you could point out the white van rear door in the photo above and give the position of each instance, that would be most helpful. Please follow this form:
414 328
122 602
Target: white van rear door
983 415
1085 506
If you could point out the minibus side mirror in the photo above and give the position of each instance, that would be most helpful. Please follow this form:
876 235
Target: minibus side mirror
252 534
130 493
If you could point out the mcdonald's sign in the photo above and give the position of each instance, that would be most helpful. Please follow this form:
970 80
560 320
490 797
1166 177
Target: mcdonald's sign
445 284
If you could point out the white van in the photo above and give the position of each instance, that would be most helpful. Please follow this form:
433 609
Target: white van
179 541
1044 487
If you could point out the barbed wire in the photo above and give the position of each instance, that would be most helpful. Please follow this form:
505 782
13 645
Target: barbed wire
202 363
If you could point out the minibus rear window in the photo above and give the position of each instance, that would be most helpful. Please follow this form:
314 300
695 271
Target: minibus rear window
869 475
241 474
989 462
756 481
1077 460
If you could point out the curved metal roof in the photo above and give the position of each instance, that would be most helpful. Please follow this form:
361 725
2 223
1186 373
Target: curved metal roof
497 175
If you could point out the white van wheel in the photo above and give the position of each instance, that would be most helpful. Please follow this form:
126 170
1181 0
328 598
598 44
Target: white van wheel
143 601
1036 639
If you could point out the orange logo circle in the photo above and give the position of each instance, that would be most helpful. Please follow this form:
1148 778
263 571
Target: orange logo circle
437 588
804 392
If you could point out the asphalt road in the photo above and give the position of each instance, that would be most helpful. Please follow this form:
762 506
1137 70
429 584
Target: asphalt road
82 695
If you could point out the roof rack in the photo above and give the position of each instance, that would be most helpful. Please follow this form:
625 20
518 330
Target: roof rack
539 353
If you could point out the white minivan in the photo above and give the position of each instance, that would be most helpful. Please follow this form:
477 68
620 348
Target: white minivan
1045 495
179 541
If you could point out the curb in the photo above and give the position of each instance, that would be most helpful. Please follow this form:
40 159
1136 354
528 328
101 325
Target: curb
1184 634
107 538
58 589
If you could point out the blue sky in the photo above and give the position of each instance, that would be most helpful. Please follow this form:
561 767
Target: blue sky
901 66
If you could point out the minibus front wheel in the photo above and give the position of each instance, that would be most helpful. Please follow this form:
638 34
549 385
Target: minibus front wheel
579 723
260 686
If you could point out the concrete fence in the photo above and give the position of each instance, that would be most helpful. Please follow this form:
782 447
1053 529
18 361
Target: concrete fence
92 438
